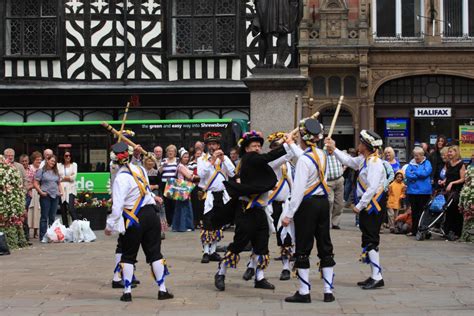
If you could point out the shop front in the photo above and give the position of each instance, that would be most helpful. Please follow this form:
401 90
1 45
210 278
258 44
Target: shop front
420 108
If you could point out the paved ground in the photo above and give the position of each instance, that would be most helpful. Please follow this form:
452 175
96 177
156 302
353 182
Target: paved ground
424 278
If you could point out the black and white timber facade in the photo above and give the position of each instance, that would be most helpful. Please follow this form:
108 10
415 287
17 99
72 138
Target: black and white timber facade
83 59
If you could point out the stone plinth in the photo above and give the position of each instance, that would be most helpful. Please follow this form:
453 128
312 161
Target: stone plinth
272 99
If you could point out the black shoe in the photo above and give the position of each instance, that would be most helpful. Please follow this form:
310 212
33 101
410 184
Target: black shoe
126 297
248 274
373 284
335 227
215 257
298 298
135 282
362 283
205 258
120 285
278 258
219 282
285 275
264 284
165 295
329 297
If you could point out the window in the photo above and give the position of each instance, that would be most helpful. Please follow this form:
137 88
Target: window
397 18
334 86
319 86
350 86
204 27
458 16
31 27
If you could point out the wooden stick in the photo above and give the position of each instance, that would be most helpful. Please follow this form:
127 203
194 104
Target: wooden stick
295 131
109 127
295 124
124 119
334 119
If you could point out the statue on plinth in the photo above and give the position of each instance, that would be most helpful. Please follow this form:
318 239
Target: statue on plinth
275 18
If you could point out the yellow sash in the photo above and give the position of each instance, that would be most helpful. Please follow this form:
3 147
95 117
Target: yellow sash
314 157
142 183
281 182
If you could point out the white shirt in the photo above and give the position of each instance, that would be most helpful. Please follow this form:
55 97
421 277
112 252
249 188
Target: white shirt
69 187
292 151
201 161
373 175
206 170
124 195
306 175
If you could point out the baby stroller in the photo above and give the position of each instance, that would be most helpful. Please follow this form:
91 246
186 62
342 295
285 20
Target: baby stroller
433 216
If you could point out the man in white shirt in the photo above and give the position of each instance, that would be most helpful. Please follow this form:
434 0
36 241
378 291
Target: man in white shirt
309 210
134 216
213 168
370 198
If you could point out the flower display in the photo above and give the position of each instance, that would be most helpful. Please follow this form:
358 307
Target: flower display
12 206
87 199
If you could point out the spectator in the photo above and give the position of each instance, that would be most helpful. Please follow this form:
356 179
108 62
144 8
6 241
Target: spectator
335 182
149 164
29 175
348 175
455 174
199 145
426 149
196 204
404 223
396 192
444 158
48 184
46 154
234 155
168 171
419 188
67 173
389 155
9 155
183 213
34 206
436 159
158 153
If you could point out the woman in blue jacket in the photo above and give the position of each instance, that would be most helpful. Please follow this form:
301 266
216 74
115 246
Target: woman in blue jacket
419 189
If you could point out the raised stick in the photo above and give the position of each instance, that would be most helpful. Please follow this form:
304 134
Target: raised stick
334 119
124 119
109 127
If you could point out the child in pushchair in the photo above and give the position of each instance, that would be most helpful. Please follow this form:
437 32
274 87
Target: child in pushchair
433 216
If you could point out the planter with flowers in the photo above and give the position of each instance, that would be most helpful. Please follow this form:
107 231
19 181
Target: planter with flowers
93 209
12 206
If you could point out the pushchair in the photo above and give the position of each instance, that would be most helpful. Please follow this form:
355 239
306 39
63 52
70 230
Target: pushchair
433 216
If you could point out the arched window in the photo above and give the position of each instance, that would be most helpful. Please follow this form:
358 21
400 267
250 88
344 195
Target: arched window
350 86
319 86
334 86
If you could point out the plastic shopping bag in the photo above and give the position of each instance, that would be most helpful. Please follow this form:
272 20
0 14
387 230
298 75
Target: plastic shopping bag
87 231
56 232
77 235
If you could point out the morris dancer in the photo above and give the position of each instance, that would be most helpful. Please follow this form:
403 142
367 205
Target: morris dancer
213 168
309 210
370 196
134 216
278 198
251 223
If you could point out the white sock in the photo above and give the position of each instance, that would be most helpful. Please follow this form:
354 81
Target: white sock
222 269
252 263
117 274
159 271
375 258
328 275
286 263
127 277
259 275
213 247
206 248
303 275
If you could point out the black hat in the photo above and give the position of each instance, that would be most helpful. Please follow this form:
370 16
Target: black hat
119 148
250 137
311 131
212 137
371 139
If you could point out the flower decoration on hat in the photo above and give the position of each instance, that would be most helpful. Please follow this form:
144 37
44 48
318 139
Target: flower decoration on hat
248 137
275 136
212 137
371 139
311 135
121 157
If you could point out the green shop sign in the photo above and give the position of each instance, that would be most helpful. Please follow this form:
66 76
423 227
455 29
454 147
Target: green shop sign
96 182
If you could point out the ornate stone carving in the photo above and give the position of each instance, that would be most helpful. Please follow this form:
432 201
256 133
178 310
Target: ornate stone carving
335 58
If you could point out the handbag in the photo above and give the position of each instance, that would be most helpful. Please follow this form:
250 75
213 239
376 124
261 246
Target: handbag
178 189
